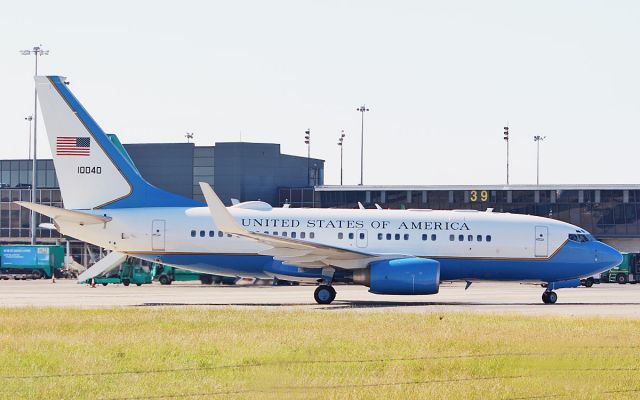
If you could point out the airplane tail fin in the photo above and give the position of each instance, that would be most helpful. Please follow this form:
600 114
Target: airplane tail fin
92 171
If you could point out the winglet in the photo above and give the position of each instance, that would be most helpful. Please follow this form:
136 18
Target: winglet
222 218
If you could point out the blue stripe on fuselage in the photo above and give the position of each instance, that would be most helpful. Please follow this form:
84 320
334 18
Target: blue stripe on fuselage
572 261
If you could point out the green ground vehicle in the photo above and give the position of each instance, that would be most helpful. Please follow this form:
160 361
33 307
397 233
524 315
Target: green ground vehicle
627 272
166 275
127 274
31 262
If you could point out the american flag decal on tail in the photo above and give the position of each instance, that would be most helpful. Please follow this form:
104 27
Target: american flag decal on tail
73 146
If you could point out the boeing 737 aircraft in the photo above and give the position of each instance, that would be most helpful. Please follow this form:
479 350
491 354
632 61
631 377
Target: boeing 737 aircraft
399 252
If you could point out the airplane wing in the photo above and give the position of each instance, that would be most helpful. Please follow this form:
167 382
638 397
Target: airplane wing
61 214
291 251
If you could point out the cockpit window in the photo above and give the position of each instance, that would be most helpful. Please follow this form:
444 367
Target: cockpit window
580 237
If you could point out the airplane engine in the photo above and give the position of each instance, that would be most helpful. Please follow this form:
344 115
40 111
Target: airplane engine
400 276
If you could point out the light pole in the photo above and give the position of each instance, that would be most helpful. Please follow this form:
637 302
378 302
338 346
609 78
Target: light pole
307 140
538 139
506 139
340 141
36 51
362 109
29 118
189 136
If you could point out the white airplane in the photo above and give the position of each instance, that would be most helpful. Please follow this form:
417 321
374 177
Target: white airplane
398 252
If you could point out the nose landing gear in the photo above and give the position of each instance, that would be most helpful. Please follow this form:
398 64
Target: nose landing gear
549 297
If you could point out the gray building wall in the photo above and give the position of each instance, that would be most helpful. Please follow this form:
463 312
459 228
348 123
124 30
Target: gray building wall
254 171
168 166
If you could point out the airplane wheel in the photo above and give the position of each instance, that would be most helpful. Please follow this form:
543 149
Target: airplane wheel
549 297
324 294
588 282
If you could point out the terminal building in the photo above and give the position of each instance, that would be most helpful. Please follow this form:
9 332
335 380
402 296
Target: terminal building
239 170
610 212
259 171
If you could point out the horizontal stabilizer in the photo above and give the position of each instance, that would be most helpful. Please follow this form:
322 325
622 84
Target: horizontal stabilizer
63 215
106 264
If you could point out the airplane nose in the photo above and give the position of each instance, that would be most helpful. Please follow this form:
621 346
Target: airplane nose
608 256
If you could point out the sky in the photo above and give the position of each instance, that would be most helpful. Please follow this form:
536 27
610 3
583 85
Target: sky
441 79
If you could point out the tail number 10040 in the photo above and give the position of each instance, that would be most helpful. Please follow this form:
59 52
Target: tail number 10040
90 170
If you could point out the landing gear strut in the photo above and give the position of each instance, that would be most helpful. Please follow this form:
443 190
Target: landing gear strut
549 297
324 294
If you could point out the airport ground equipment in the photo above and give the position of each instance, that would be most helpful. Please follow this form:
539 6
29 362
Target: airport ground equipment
628 271
31 262
127 274
591 280
166 274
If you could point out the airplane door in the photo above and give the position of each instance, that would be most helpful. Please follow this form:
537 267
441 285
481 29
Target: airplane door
542 242
157 234
361 238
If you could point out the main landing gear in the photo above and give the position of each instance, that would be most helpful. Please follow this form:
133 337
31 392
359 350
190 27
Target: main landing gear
549 297
324 294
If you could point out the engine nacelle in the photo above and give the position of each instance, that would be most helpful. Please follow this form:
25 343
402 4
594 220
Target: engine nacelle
401 276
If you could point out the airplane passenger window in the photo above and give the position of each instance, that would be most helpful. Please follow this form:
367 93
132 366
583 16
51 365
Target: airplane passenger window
340 235
461 238
433 237
406 236
312 235
397 236
284 234
211 233
470 238
201 233
452 237
361 236
479 238
351 236
380 236
388 236
488 238
229 235
424 236
293 235
275 233
193 233
303 235
220 234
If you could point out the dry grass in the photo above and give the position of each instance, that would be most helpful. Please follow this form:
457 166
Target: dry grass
197 353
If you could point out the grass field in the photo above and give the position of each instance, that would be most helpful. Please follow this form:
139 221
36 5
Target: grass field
154 353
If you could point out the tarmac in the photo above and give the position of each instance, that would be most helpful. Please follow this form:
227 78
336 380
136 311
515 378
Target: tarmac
604 300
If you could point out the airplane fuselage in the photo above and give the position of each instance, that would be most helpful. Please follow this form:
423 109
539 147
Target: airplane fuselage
468 244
